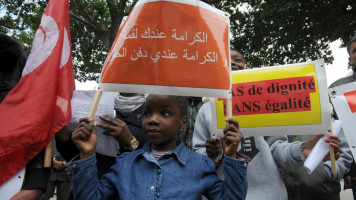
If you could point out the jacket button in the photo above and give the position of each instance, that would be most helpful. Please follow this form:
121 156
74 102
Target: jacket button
152 187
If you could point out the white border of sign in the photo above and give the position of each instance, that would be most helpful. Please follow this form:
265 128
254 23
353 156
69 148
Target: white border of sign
196 3
344 113
163 90
314 129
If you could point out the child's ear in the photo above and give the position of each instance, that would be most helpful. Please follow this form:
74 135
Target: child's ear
184 121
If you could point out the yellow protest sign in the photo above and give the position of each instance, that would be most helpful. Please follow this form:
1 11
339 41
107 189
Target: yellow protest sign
276 98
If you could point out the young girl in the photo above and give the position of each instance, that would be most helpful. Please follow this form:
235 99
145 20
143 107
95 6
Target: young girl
162 169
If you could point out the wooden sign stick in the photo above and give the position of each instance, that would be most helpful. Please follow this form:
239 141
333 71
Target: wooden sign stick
48 154
94 104
229 108
229 115
332 156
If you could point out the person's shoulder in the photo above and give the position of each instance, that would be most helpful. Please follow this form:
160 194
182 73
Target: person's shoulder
344 80
194 154
205 107
126 160
129 155
198 158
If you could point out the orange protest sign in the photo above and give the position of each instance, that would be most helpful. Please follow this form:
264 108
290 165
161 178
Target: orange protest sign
271 101
170 47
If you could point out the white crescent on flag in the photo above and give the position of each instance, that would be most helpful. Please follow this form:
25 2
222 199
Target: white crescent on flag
45 40
65 50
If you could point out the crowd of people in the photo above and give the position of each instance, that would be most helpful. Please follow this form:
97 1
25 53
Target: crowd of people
167 151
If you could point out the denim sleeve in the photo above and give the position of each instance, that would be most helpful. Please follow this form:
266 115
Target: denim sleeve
85 182
235 184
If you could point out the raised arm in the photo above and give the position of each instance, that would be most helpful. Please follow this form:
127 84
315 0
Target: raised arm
235 183
85 182
286 155
83 168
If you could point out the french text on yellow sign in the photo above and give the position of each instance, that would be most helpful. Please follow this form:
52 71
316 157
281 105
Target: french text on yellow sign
280 96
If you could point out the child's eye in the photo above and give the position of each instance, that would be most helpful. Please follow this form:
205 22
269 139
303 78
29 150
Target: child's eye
238 60
166 113
146 114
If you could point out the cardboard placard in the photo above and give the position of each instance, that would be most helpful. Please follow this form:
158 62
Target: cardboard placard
173 48
281 100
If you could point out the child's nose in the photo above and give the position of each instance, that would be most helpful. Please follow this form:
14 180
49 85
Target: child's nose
153 120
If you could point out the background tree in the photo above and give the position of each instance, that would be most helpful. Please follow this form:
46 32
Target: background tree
272 32
268 32
94 24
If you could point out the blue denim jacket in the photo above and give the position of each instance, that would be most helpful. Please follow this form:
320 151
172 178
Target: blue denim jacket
181 174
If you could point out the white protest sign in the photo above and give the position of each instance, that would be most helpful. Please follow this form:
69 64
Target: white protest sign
81 102
13 185
343 99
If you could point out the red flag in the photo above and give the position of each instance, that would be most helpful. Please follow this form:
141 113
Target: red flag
39 106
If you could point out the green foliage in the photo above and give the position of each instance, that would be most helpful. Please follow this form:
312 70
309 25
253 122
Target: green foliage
20 19
273 32
268 32
88 51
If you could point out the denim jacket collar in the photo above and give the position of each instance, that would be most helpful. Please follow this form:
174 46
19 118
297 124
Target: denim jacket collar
181 152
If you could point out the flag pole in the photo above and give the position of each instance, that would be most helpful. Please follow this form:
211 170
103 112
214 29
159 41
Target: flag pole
229 115
48 154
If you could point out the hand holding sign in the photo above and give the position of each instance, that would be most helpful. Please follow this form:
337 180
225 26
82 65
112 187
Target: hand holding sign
333 140
309 145
214 148
335 143
321 149
232 138
84 138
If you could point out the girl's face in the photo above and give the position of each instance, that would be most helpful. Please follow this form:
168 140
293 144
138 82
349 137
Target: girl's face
237 60
161 121
352 58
